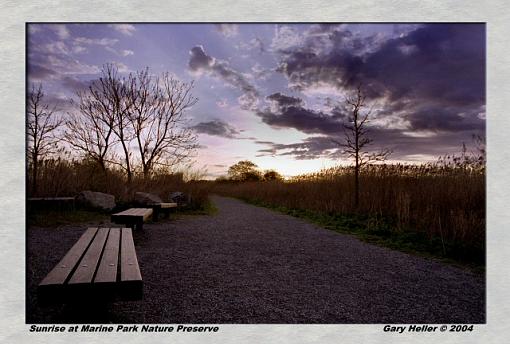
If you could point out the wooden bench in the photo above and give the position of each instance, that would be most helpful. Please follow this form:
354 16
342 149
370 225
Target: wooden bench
161 208
102 265
133 217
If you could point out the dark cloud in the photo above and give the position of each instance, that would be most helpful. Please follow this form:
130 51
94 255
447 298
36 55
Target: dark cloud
437 117
341 113
432 76
289 112
446 119
216 128
313 147
305 120
324 54
306 69
436 62
403 146
406 144
200 62
284 100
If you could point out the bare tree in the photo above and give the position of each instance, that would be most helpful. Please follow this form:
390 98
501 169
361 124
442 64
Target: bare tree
42 123
357 139
139 111
157 116
91 129
102 121
112 93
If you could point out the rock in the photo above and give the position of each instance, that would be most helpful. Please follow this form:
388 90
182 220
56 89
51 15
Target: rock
179 197
96 200
144 198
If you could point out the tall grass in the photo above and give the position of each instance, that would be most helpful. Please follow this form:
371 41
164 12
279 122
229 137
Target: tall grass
67 177
444 200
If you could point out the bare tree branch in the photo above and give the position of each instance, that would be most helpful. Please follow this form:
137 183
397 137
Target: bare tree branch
42 124
142 114
356 138
159 105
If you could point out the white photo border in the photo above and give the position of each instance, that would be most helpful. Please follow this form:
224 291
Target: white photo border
14 16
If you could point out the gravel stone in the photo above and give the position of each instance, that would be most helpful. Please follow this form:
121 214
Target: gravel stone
248 264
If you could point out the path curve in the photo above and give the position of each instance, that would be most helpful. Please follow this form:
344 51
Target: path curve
248 264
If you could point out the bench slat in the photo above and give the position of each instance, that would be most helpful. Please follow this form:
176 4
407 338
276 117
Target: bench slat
98 255
61 271
129 270
142 212
107 271
163 205
168 205
87 266
132 217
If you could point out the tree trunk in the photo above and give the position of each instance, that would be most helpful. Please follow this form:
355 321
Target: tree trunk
356 184
34 175
356 168
128 165
146 172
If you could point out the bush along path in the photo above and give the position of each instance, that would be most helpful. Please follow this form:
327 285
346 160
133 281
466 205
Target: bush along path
247 264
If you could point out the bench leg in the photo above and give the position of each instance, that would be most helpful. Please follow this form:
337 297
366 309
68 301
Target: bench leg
167 213
155 214
139 226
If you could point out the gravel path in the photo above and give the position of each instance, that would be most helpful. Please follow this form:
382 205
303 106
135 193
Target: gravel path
251 265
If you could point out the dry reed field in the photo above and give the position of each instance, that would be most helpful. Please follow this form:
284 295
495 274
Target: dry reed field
67 177
444 201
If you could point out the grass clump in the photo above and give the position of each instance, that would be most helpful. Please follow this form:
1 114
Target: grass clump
203 208
51 218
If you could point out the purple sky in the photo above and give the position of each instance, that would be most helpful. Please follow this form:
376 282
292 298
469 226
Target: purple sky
273 93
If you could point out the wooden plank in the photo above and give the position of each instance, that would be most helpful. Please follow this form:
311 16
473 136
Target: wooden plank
107 270
142 212
147 214
61 271
162 208
133 217
88 264
168 205
129 270
50 199
132 214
